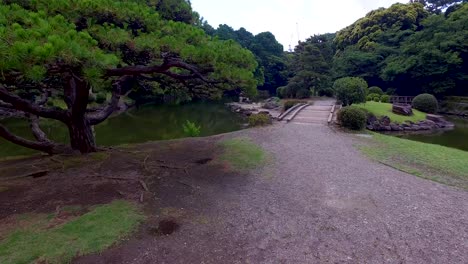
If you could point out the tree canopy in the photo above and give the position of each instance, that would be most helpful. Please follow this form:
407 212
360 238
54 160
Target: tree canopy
71 48
268 52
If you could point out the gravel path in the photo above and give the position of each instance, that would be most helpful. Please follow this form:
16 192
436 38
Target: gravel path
321 202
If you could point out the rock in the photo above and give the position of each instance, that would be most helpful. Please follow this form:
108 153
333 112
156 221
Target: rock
395 127
271 105
385 121
371 119
370 127
436 118
416 127
402 109
424 127
387 128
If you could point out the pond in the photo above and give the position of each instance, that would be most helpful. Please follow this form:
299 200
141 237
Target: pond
457 138
148 123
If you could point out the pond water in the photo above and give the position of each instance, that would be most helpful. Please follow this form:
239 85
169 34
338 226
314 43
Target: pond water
457 138
148 123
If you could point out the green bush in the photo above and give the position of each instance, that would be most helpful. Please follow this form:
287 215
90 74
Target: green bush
328 92
426 103
351 90
281 92
290 103
375 90
191 129
385 98
373 97
352 117
303 94
101 98
259 120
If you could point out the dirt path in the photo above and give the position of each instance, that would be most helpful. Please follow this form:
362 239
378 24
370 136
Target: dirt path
319 201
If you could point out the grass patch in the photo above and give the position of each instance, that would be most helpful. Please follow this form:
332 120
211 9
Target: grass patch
434 162
89 233
384 109
242 153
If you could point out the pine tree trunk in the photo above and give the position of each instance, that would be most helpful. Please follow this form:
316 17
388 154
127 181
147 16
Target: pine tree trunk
80 129
81 135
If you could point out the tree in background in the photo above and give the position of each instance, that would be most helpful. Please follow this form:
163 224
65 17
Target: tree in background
311 66
434 59
69 49
268 52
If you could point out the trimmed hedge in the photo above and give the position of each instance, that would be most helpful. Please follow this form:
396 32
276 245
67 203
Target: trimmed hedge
385 98
426 103
352 117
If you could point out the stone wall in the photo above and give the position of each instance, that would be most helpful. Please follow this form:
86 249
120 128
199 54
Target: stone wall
433 122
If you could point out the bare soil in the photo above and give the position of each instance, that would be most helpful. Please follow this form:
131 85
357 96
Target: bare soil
319 200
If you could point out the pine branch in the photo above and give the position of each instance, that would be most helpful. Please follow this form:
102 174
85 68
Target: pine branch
23 105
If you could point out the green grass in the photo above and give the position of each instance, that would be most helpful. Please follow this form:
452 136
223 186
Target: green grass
242 153
434 162
384 109
89 233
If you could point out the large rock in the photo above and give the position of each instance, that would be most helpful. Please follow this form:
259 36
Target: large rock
271 105
436 118
401 109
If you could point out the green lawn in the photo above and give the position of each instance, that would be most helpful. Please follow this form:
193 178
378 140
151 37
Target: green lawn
384 109
89 233
434 162
242 153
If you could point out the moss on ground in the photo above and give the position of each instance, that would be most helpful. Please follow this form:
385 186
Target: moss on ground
384 109
242 154
434 162
92 232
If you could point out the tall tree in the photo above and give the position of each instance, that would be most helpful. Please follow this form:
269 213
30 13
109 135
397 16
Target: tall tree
69 48
311 66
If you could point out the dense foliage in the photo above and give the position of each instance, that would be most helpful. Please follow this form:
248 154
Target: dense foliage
407 49
69 49
350 90
352 117
268 52
311 66
426 103
260 119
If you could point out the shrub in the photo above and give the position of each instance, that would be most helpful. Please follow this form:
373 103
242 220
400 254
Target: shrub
426 103
281 92
191 129
259 120
373 97
350 90
375 90
352 117
385 98
328 92
101 98
303 94
290 103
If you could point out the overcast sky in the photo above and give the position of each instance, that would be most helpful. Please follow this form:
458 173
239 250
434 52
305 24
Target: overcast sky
283 17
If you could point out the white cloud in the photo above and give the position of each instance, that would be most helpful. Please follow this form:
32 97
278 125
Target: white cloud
282 17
